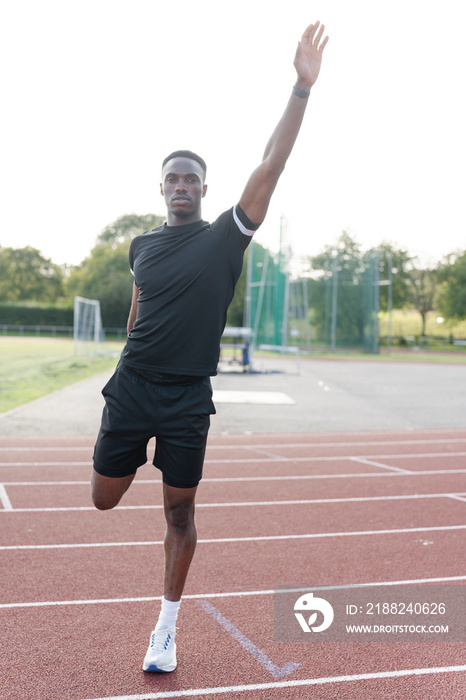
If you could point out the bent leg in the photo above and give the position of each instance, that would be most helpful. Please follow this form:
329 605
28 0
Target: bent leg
107 491
180 538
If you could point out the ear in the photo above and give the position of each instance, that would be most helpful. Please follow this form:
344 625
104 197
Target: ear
204 190
161 189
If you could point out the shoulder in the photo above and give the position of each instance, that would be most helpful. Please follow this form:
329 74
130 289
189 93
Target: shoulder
235 220
145 237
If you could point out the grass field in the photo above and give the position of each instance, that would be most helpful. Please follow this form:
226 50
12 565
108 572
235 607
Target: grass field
408 322
33 367
396 355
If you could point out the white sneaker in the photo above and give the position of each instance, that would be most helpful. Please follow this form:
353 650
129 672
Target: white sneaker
161 654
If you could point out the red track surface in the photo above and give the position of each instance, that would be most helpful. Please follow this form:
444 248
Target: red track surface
79 587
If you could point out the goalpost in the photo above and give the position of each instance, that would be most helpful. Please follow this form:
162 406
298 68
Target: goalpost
87 326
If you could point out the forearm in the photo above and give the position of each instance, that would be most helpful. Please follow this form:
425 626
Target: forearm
256 196
134 309
284 136
131 320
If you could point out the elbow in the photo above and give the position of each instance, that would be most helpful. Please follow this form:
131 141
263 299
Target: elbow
274 167
272 172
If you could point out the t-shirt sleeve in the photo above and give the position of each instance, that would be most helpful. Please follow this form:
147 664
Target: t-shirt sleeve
245 225
235 228
131 257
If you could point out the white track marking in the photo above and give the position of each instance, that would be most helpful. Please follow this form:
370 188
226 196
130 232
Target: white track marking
235 479
276 398
232 540
289 445
370 462
198 692
63 463
263 451
458 497
4 500
410 455
230 594
258 460
286 477
242 504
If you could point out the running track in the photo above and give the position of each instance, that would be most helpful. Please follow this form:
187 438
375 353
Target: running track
80 587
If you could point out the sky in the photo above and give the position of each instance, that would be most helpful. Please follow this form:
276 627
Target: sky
96 93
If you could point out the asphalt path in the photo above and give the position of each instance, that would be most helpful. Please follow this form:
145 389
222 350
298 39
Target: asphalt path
318 396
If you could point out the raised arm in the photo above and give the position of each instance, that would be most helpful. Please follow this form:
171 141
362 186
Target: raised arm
257 194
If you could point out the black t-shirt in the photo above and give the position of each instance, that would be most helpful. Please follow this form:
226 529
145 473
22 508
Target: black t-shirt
186 277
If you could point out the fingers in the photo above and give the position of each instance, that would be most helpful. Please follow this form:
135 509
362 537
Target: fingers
323 44
309 32
313 35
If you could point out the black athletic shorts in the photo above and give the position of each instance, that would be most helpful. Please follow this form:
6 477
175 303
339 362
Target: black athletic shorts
137 409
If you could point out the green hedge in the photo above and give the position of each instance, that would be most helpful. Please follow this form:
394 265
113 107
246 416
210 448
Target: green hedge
24 315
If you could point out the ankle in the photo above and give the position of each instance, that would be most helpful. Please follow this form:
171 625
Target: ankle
168 614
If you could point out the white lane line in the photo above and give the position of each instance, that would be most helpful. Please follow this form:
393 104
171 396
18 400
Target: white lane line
65 483
86 448
267 663
290 445
276 398
63 463
232 540
4 500
198 692
242 504
230 594
259 460
286 477
418 455
458 497
372 463
282 477
265 452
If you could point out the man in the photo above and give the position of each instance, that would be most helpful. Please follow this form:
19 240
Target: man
184 278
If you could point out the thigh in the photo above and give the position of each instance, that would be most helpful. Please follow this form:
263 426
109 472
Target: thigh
107 491
127 425
184 421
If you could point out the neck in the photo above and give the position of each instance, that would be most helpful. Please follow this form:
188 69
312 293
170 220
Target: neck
175 220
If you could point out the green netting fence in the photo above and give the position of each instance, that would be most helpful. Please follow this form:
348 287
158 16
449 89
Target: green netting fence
336 308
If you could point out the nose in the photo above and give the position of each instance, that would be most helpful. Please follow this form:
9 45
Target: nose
180 186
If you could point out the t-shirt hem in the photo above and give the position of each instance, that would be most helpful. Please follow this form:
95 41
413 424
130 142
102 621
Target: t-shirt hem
168 371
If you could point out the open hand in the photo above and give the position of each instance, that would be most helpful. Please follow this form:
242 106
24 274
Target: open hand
308 57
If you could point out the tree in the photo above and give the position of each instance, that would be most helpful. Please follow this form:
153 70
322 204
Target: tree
341 266
452 290
105 274
25 275
401 263
423 292
127 227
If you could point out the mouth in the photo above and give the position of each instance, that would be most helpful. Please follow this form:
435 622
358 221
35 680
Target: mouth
181 199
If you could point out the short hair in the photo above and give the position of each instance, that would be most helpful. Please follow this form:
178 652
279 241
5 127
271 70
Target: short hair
187 154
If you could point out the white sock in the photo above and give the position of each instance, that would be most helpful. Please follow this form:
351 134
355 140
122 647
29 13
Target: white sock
168 614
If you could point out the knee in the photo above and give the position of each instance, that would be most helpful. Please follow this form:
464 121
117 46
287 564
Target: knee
106 492
101 497
102 502
180 517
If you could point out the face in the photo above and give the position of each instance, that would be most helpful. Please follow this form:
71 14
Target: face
183 188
